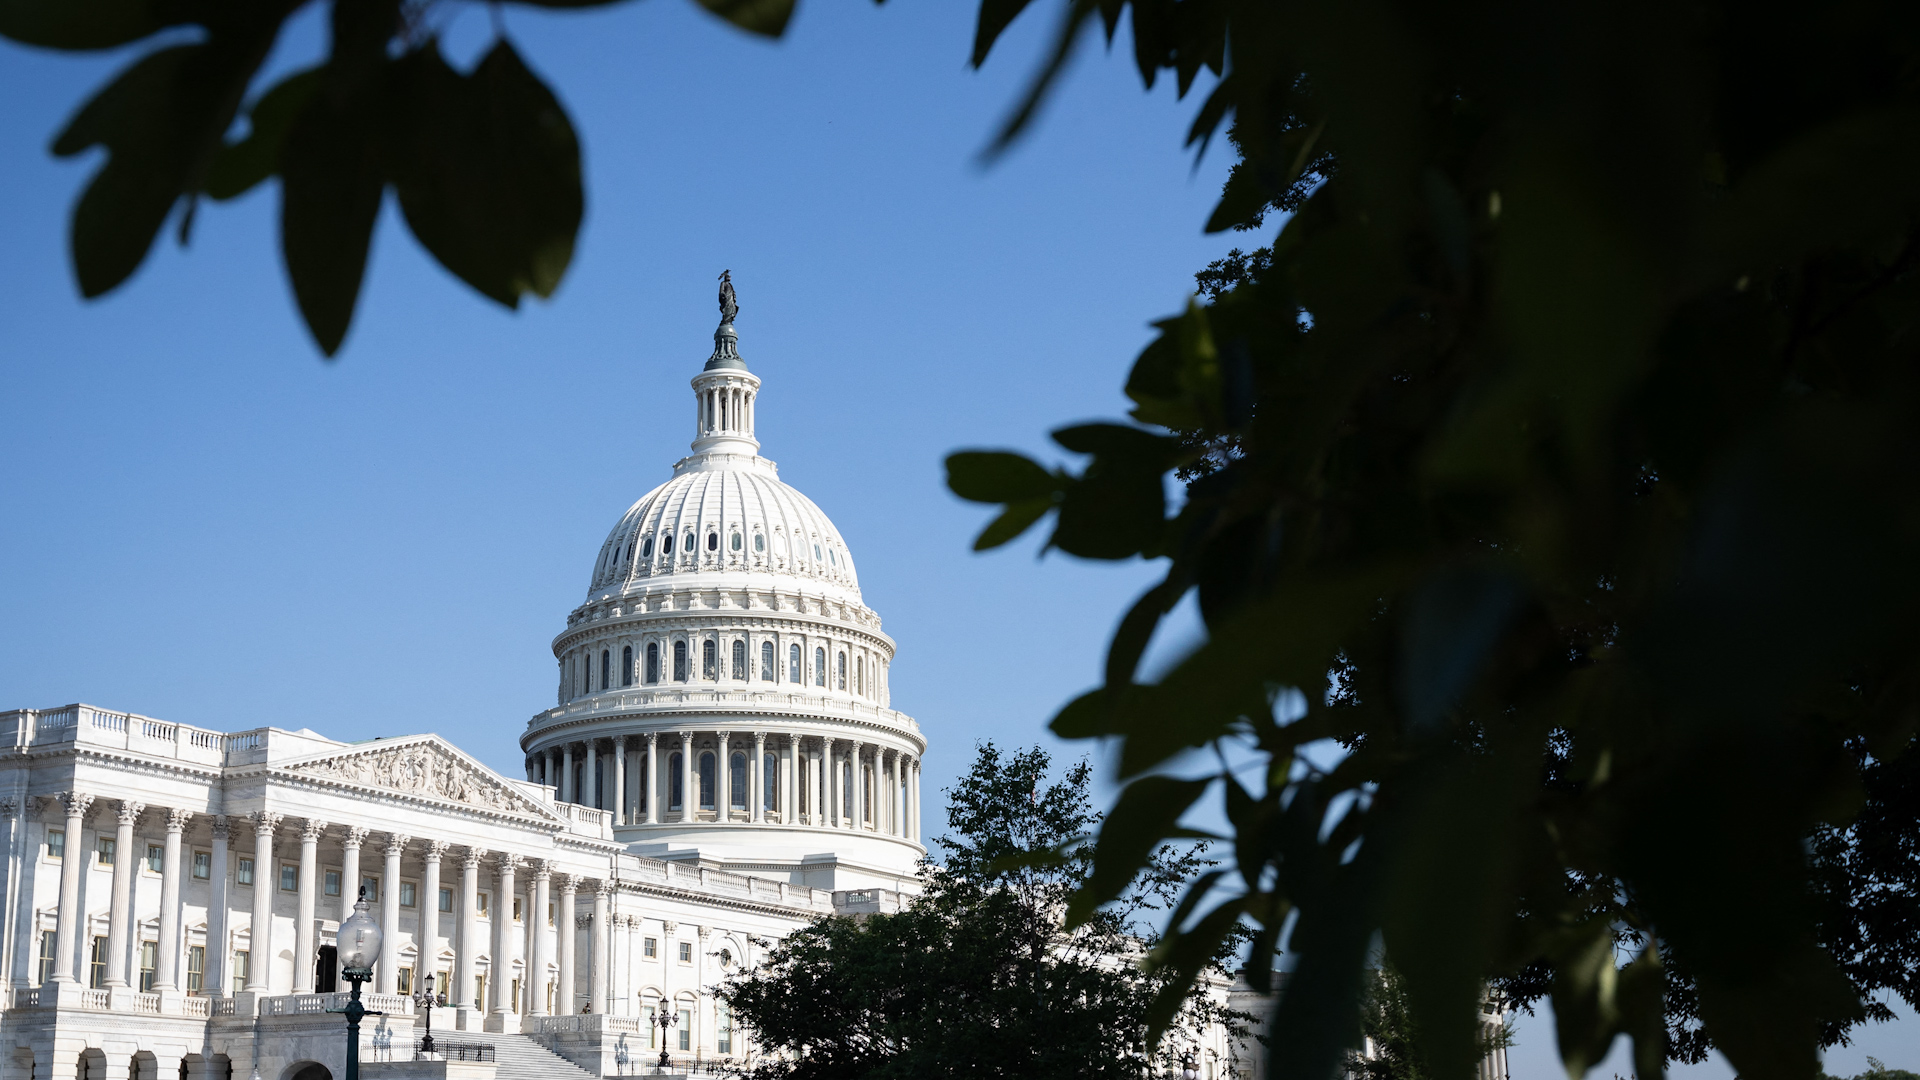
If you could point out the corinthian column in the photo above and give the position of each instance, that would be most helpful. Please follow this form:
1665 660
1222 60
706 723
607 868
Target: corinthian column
505 940
260 931
167 964
387 975
756 776
72 858
120 917
219 912
590 776
564 999
650 782
689 795
469 948
829 808
619 805
602 895
542 940
426 942
304 913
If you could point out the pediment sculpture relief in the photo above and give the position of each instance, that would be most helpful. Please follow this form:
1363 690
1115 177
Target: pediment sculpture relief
422 768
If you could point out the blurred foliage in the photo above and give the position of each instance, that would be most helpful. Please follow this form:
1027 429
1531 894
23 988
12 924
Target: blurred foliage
1393 1048
1559 450
978 976
1877 1070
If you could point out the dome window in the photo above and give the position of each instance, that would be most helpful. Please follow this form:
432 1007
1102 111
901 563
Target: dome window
735 542
679 661
832 558
793 663
666 544
706 780
646 548
759 543
709 661
713 541
740 661
816 553
766 661
689 547
626 665
819 667
675 792
653 661
606 669
840 682
737 783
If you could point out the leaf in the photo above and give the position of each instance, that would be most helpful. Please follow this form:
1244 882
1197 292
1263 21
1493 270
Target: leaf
767 18
1318 1018
1136 630
1452 621
1142 818
239 166
1121 443
1016 519
1585 1009
998 476
1177 381
159 120
330 196
487 169
1072 22
84 24
1183 955
995 17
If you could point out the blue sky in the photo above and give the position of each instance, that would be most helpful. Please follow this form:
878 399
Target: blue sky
208 523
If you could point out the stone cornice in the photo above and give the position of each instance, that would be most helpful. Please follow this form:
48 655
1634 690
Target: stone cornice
719 717
802 912
720 619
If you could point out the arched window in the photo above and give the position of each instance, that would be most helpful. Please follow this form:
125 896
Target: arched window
626 665
706 780
832 558
689 545
606 668
859 674
666 544
653 661
709 660
816 553
676 780
737 780
766 661
770 788
646 548
819 667
713 541
740 661
679 661
586 673
759 543
735 542
840 671
793 663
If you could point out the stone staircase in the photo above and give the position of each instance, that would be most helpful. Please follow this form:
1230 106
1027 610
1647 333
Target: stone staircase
520 1058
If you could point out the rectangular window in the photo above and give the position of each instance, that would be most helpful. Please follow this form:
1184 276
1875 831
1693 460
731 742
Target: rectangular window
516 995
723 1028
404 978
653 1029
550 915
240 963
481 904
243 871
46 957
156 858
480 990
686 952
686 1029
149 954
97 964
332 882
446 900
196 968
516 909
289 877
56 843
103 850
409 894
203 865
650 948
370 888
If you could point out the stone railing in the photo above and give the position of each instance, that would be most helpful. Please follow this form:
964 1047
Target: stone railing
222 1006
314 1004
146 1004
26 997
583 1024
84 724
200 1007
95 1000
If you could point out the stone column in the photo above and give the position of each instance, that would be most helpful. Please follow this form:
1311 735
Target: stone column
72 860
756 798
893 793
649 790
566 773
167 964
120 915
350 869
426 940
590 776
553 770
790 791
542 951
723 779
467 952
915 784
504 940
219 940
386 979
619 806
602 895
689 795
829 785
563 999
260 931
304 913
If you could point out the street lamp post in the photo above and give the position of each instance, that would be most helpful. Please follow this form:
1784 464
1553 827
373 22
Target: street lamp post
664 1019
359 941
1189 1068
424 1000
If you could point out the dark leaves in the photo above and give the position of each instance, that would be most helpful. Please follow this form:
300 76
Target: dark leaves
330 195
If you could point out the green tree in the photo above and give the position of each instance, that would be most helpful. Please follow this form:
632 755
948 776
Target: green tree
1392 1034
978 976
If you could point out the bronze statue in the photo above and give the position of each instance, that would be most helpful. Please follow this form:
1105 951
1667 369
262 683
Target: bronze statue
729 303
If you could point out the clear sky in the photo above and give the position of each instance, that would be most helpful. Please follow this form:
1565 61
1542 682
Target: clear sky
206 522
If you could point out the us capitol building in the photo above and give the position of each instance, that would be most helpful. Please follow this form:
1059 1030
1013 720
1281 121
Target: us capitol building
722 765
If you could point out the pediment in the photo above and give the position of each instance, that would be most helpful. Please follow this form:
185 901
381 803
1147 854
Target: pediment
424 765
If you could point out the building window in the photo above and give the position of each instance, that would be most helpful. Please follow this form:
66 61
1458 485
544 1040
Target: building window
759 543
626 665
676 798
859 673
289 877
686 952
686 1029
409 894
666 544
103 850
606 669
770 791
650 948
480 990
653 661
481 903
737 781
516 909
706 781
446 901
404 977
740 661
819 667
679 661
97 964
793 663
46 956
686 544
203 865
56 844
149 954
840 679
332 882
722 1028
735 542
156 858
709 660
370 888
242 960
196 968
652 1029
766 661
713 541
551 913
646 548
243 871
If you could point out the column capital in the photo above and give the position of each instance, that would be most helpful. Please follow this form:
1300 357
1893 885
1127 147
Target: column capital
129 812
619 743
569 883
435 849
472 857
668 926
76 803
603 890
221 827
508 863
264 822
313 829
652 738
397 843
356 837
542 869
8 807
703 931
177 820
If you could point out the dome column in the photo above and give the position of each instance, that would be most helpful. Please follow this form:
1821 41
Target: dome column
566 773
689 795
619 806
829 784
650 770
757 797
723 779
590 778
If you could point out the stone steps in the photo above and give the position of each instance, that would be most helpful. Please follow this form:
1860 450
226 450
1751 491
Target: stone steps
520 1058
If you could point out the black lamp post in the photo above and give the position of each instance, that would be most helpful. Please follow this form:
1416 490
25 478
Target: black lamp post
424 1000
359 939
664 1019
1189 1068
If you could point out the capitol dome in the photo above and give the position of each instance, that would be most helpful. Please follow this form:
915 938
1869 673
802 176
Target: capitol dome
723 690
